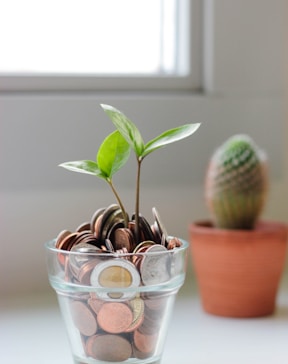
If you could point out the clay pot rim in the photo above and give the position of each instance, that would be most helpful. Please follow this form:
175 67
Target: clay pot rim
263 227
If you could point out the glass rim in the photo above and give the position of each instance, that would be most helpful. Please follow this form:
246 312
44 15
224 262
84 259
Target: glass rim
50 246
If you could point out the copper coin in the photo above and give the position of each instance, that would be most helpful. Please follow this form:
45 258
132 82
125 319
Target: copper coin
94 218
106 219
77 260
85 270
109 348
145 343
84 236
116 225
107 225
115 317
64 241
95 303
155 267
61 236
138 354
83 318
173 243
85 226
68 241
123 238
97 227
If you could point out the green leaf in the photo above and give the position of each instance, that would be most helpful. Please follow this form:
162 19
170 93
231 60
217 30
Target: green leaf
126 127
85 166
113 154
170 136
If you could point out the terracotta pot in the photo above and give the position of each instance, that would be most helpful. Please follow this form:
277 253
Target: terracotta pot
238 271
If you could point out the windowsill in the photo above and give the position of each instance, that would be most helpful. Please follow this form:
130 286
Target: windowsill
32 331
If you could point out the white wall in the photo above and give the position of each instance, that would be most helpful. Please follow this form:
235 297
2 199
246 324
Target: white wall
244 91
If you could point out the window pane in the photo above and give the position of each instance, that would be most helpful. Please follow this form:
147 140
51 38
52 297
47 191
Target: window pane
88 36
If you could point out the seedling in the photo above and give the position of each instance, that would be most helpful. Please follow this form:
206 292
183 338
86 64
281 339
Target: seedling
115 150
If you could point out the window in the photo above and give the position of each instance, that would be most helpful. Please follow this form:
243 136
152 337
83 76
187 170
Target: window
96 44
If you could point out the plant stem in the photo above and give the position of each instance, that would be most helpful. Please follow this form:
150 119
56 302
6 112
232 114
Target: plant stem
125 216
137 229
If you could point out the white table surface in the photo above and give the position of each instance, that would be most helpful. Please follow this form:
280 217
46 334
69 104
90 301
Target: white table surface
32 331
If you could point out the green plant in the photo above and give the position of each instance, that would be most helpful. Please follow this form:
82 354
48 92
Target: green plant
236 183
115 150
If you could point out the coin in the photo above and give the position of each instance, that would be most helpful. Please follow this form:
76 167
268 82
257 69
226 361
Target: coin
137 306
115 317
97 227
85 226
115 273
83 318
155 267
94 218
137 252
123 238
173 243
108 245
77 260
85 236
85 270
141 247
161 227
65 242
61 236
95 303
156 233
109 348
111 214
116 225
145 229
149 325
145 343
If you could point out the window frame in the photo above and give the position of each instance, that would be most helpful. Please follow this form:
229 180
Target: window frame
92 82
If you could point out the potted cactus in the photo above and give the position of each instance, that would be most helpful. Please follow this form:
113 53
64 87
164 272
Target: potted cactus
238 258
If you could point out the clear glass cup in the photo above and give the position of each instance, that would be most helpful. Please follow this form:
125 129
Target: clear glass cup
116 307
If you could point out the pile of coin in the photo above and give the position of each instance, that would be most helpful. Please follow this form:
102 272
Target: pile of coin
107 232
116 331
114 320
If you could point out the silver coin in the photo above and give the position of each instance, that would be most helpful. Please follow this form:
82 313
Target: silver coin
155 265
161 227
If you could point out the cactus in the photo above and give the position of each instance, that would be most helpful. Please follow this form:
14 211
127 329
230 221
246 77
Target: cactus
236 183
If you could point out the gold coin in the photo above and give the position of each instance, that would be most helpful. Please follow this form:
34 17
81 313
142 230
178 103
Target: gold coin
137 306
